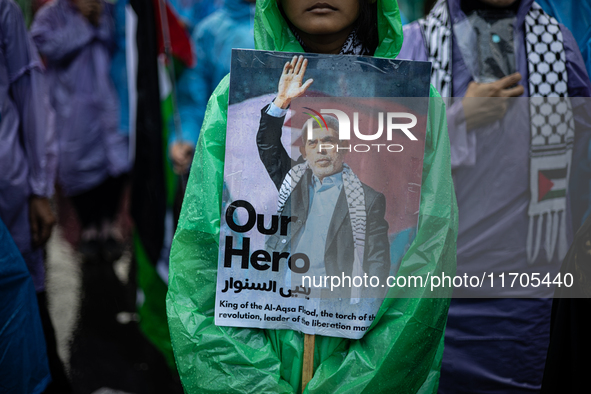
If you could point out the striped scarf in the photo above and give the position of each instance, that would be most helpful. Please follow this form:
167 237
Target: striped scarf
551 141
355 201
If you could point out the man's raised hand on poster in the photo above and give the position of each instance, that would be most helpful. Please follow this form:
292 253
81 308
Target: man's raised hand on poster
290 83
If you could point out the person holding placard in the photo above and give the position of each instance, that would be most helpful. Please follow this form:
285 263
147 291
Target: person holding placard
401 352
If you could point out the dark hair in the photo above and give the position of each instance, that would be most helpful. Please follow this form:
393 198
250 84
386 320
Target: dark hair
367 25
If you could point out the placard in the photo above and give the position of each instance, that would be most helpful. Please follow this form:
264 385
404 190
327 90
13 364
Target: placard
321 199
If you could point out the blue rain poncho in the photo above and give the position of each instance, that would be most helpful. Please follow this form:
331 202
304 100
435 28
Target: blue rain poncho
23 359
192 12
229 27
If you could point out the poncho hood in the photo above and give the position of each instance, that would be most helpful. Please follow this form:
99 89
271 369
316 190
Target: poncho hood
272 33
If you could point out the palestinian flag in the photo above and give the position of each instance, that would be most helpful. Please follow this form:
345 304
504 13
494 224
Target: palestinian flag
552 184
181 45
154 184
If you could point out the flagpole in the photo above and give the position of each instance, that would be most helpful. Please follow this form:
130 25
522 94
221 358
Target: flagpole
308 363
168 53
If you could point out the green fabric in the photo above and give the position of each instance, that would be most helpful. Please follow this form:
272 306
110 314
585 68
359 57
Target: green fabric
402 351
152 318
25 6
170 178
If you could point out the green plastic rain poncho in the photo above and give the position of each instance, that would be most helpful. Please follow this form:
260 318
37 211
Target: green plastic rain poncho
400 354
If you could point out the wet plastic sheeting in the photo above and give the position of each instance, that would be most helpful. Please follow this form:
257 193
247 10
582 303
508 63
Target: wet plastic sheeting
23 360
404 338
400 353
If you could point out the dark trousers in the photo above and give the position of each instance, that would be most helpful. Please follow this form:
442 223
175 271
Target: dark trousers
100 203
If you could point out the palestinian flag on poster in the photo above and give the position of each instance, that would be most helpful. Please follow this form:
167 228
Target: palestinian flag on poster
552 184
154 183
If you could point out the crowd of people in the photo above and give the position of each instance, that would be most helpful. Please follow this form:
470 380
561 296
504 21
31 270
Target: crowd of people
98 97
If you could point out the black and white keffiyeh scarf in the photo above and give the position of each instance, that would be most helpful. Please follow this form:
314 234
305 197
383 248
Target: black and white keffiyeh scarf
552 123
355 201
352 46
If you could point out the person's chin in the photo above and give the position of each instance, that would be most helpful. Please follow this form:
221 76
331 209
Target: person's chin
322 167
321 25
324 171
